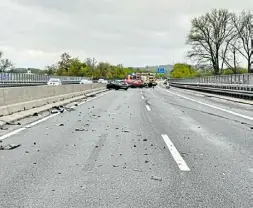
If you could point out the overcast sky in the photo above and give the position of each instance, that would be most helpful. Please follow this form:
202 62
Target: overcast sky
130 32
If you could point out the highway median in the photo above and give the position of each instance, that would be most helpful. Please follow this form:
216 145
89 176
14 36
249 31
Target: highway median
18 103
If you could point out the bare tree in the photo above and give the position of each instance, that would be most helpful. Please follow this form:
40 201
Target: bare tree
244 26
234 46
210 36
91 63
5 64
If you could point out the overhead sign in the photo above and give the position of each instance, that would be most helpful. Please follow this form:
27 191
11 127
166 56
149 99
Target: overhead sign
160 70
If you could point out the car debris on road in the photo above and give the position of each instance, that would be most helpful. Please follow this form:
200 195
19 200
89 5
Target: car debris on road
9 146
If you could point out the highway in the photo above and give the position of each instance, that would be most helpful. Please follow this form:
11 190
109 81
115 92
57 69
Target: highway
136 148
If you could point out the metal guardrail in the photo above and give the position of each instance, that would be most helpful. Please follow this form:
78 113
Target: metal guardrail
220 79
235 90
24 79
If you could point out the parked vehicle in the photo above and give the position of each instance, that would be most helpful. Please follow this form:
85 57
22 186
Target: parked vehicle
100 80
54 81
85 81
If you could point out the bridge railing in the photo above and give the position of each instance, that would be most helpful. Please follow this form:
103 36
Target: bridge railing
34 78
220 79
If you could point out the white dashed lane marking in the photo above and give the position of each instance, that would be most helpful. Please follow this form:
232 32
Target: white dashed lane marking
175 154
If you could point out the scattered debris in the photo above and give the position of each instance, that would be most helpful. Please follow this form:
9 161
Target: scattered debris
137 170
9 146
11 123
57 109
54 111
78 129
156 178
70 109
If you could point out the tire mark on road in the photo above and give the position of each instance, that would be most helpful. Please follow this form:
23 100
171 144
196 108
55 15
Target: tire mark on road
91 161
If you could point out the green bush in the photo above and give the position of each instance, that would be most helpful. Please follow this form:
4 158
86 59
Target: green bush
182 71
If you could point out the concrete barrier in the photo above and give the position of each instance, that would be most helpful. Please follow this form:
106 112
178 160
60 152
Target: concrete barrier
23 98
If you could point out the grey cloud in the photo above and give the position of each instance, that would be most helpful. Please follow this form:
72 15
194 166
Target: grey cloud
132 32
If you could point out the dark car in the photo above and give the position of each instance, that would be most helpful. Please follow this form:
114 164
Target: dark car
119 84
110 85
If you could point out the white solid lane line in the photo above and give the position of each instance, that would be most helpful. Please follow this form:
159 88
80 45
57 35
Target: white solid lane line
142 97
43 119
148 108
211 106
175 154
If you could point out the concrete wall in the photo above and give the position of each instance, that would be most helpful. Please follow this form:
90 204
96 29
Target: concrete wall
16 99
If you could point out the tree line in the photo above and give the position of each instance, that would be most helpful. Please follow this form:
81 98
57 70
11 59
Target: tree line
183 70
222 39
73 66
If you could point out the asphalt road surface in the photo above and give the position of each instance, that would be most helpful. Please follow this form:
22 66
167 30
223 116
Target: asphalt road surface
136 148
